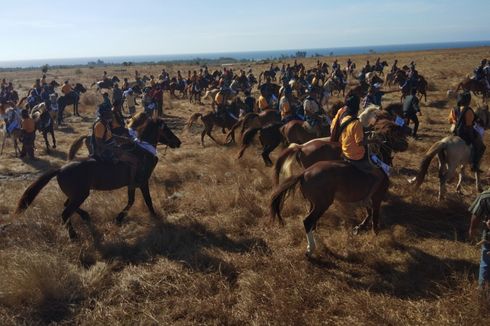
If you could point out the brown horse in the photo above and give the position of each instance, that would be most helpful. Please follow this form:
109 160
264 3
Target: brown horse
477 87
76 179
324 182
272 135
225 120
254 120
386 138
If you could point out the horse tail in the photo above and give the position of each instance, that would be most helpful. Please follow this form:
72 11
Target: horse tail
280 194
247 138
285 160
75 147
245 120
424 165
193 119
33 190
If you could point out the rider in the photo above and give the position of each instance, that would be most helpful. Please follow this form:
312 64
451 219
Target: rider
105 77
28 127
394 68
221 100
105 149
249 102
66 88
117 97
263 103
350 135
410 109
312 111
286 106
480 73
465 130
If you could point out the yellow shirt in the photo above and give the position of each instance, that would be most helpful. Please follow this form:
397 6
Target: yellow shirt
263 104
351 140
66 89
219 98
99 131
336 118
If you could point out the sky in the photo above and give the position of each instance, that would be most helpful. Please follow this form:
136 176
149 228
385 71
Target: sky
90 28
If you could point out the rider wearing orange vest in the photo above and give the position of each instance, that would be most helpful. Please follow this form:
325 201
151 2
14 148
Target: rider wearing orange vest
350 135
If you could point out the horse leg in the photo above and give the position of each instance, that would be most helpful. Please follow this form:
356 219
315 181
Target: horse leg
477 182
52 136
120 217
3 142
460 181
203 133
310 222
364 224
72 205
45 136
145 191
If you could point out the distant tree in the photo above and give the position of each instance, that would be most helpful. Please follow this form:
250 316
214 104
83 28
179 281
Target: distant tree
45 68
301 54
331 53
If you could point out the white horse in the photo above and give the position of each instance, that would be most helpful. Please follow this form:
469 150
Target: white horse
452 152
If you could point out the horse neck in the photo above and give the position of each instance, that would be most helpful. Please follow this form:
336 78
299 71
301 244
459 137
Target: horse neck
150 134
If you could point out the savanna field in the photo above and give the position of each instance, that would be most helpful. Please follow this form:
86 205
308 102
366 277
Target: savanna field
213 257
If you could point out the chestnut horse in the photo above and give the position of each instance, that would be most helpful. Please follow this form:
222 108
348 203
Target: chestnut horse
477 87
254 120
76 179
226 120
386 138
324 182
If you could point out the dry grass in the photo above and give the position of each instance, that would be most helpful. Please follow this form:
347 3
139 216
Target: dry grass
212 257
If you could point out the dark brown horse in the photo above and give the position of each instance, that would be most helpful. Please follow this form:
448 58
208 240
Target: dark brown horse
76 179
273 135
477 87
324 182
225 120
254 120
386 138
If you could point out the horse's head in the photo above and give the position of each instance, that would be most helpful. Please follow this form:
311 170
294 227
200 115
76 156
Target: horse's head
145 78
80 88
369 115
115 79
166 135
483 116
54 83
392 135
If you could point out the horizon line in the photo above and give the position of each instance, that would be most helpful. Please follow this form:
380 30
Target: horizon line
235 52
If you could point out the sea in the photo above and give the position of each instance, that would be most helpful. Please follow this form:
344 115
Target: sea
250 55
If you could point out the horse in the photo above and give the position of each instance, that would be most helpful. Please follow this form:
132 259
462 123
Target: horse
324 182
477 87
334 85
177 86
401 78
12 127
72 98
106 84
385 138
275 133
76 179
194 90
452 152
380 67
225 120
44 123
271 73
254 119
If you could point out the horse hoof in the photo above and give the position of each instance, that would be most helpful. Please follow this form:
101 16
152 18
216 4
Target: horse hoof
119 219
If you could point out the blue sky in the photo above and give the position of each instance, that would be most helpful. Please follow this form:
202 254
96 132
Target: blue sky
89 28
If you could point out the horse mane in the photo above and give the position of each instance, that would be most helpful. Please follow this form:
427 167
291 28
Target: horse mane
384 126
368 115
